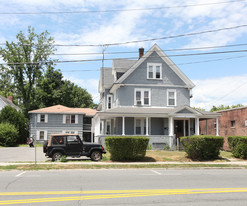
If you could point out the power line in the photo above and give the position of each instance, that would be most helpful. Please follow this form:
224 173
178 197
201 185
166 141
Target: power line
145 40
100 59
118 10
135 52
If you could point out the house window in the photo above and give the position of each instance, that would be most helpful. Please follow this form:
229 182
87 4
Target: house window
233 124
41 135
108 127
171 97
42 118
109 101
154 71
70 119
142 96
140 126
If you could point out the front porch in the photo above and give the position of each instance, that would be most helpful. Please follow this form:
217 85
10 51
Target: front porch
162 127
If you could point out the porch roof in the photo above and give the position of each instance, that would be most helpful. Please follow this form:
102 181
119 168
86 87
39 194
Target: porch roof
188 112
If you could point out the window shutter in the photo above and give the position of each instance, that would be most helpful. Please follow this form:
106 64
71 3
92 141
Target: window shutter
45 135
46 118
37 135
38 117
76 119
64 118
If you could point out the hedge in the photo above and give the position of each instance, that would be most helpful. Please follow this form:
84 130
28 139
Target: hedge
238 146
202 147
8 135
124 148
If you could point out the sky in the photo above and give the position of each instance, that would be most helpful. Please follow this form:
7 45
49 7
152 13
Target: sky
214 31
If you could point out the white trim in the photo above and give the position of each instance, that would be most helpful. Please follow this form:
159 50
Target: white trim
38 118
142 90
143 124
175 97
154 66
108 122
38 134
64 118
76 119
46 118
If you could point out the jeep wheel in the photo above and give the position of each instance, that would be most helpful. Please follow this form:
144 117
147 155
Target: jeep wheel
96 156
57 156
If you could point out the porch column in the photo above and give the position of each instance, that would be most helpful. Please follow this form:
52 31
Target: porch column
197 126
189 127
123 125
217 126
184 127
147 125
171 126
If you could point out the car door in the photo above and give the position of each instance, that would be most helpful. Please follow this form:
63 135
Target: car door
74 146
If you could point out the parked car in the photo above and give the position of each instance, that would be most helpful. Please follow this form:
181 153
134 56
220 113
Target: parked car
60 145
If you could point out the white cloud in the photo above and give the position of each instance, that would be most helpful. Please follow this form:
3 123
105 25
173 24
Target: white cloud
216 91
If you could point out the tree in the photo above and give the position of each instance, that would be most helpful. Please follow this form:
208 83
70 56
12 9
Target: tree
223 107
17 118
26 60
8 134
52 89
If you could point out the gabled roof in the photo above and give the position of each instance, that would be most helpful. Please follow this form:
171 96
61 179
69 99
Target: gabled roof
60 109
158 50
9 103
122 65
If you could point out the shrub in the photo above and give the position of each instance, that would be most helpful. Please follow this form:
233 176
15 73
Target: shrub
238 146
202 147
8 135
126 147
17 118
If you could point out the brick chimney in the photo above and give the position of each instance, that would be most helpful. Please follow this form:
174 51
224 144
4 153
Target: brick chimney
141 52
10 98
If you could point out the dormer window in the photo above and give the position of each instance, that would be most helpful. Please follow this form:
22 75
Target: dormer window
154 71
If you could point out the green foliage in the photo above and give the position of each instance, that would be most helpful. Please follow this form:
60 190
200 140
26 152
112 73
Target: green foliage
202 147
16 118
223 107
167 147
238 146
8 135
31 52
63 159
126 147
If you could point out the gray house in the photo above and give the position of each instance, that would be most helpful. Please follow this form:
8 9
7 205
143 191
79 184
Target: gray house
7 102
149 96
61 119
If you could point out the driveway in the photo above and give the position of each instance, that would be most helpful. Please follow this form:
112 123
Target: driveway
21 154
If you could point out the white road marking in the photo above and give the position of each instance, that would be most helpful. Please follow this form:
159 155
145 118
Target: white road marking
158 173
20 174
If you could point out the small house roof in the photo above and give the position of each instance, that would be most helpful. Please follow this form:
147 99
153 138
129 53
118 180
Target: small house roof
60 109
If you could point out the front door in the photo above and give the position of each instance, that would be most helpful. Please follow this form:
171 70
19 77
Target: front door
179 128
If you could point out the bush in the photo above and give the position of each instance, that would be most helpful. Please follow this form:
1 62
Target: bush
202 147
127 147
238 146
16 118
8 135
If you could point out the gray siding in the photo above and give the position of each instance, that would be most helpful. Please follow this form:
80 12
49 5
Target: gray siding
157 126
54 125
158 96
139 76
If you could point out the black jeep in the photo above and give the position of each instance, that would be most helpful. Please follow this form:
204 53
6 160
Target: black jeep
60 145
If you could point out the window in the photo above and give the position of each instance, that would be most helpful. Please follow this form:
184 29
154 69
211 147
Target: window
109 101
233 124
41 135
42 118
154 71
70 119
140 126
142 97
108 127
171 97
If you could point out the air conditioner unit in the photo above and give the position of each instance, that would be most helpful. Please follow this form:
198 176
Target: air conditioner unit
139 102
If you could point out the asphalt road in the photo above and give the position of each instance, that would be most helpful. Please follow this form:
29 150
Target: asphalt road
191 187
